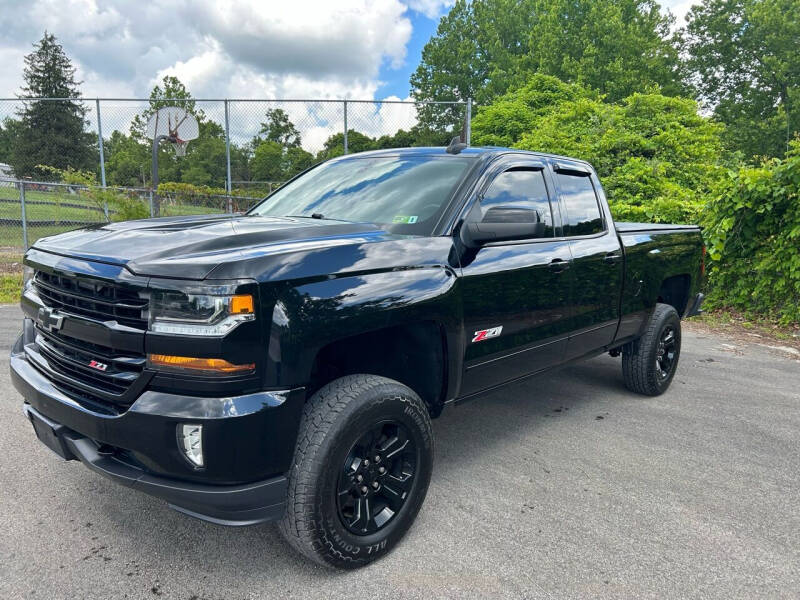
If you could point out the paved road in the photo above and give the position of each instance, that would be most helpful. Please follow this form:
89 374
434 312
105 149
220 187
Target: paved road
566 486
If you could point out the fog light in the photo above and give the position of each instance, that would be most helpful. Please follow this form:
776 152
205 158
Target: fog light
190 439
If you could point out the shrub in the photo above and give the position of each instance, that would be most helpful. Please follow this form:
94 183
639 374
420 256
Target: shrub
752 227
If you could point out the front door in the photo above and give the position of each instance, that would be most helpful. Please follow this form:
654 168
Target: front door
515 294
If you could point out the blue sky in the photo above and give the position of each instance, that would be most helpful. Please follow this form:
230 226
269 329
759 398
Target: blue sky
395 81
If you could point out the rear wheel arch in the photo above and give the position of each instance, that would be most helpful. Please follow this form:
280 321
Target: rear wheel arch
674 291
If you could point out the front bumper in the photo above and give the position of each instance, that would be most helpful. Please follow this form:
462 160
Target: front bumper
245 504
248 442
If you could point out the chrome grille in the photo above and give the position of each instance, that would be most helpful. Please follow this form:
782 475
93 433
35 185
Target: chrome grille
92 298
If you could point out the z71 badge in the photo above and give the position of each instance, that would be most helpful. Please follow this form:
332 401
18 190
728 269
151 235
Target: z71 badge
486 334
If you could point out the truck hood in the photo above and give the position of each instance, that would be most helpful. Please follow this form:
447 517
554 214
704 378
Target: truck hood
192 247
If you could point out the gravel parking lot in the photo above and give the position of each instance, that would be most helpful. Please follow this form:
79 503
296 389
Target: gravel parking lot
564 486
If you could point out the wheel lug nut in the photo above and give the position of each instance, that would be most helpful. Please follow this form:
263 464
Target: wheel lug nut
364 489
366 462
359 478
381 470
374 485
377 458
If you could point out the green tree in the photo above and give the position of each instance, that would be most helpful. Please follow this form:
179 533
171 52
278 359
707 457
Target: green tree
657 157
419 135
616 47
127 160
509 117
50 133
278 128
484 48
273 162
205 161
743 58
296 161
267 162
356 142
8 133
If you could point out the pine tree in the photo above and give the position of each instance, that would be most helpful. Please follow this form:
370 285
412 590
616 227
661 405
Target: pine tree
50 133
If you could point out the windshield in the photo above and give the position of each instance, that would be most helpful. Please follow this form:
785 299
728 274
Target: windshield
406 194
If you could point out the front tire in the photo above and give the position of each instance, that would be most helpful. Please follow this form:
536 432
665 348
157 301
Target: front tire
649 363
361 470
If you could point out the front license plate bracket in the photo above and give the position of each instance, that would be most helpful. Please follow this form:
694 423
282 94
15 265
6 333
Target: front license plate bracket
51 434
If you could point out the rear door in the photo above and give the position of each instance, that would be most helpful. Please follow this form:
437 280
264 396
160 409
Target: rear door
597 264
515 294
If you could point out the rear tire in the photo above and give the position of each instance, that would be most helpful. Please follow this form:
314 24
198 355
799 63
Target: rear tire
649 363
361 470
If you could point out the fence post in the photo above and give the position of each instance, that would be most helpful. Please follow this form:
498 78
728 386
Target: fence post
100 145
468 126
151 204
228 157
345 126
24 218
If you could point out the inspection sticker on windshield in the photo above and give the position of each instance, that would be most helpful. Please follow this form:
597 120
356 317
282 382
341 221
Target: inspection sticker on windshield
405 219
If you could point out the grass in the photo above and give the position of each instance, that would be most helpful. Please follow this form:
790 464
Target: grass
59 206
10 287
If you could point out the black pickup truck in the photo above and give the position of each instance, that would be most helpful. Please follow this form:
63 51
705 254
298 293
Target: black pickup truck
285 364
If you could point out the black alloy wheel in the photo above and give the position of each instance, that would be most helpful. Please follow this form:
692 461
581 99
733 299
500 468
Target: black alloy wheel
665 354
376 478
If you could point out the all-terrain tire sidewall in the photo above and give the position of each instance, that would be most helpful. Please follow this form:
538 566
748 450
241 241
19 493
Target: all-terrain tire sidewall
363 401
639 362
344 544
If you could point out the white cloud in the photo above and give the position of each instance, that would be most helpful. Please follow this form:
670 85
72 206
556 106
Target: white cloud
430 8
341 45
249 49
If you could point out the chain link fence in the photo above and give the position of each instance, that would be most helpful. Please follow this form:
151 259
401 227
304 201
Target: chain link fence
56 175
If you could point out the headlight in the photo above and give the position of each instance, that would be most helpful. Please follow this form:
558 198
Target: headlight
27 276
211 311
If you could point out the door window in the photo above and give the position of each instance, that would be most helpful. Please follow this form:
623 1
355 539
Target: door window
583 212
520 188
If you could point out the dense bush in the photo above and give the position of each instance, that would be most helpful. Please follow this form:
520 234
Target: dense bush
752 227
657 157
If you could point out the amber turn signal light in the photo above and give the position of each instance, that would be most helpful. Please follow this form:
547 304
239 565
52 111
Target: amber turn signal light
242 305
203 365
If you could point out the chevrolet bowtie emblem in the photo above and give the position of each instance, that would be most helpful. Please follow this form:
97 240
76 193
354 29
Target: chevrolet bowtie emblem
49 320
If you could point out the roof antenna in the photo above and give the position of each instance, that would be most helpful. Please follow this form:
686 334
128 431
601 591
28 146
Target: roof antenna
456 145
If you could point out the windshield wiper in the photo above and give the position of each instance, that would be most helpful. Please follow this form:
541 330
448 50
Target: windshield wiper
316 216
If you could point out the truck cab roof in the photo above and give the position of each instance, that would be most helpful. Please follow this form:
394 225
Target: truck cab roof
487 152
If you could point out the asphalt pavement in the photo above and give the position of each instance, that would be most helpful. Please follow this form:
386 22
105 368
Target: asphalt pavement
563 486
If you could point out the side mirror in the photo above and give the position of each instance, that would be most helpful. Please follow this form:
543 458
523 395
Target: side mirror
503 224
